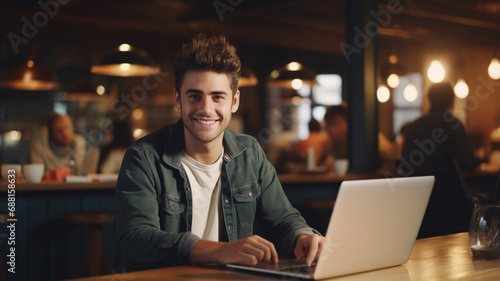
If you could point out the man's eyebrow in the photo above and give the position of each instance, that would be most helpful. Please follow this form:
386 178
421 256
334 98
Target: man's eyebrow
193 91
197 91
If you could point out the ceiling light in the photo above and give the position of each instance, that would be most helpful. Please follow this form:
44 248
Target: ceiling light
494 69
436 72
126 61
461 89
247 78
410 92
383 94
289 75
30 76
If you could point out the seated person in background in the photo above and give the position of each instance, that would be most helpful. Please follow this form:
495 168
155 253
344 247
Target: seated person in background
317 140
336 127
112 153
434 144
57 145
190 192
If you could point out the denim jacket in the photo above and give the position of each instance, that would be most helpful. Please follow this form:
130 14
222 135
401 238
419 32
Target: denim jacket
154 202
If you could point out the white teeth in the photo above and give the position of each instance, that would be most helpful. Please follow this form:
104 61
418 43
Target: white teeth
205 122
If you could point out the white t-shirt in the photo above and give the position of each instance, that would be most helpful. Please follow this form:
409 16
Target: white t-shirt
205 189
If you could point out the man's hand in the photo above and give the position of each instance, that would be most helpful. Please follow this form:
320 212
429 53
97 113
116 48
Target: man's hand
308 247
248 251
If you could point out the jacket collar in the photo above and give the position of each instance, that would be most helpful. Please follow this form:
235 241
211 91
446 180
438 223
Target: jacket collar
175 144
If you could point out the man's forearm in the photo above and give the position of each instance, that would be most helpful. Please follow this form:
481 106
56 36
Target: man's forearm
204 252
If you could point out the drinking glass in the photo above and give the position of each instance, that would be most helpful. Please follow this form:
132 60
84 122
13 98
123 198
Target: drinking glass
484 232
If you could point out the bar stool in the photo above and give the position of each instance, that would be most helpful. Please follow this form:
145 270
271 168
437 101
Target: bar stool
3 219
94 262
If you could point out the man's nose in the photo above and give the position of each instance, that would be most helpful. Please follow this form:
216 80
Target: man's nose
207 105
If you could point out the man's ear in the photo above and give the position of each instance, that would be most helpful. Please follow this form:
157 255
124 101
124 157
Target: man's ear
236 102
177 100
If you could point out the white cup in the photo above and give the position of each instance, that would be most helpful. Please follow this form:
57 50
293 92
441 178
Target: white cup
14 170
340 166
33 172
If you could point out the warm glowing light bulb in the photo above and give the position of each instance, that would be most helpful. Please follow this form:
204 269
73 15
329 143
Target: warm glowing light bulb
100 90
410 92
275 74
14 135
383 94
494 69
461 89
393 80
436 72
293 66
137 133
137 114
297 84
125 66
124 47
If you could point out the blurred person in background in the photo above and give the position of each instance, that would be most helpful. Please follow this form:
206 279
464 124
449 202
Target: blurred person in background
437 144
318 141
119 139
337 126
57 145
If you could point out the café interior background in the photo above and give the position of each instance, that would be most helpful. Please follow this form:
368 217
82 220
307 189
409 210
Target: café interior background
69 37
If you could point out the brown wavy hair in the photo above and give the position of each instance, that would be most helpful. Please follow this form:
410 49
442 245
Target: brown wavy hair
213 53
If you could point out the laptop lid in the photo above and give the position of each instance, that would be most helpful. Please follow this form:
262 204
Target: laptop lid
374 225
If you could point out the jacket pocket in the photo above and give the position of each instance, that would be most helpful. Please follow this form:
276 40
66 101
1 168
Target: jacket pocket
245 204
172 205
247 193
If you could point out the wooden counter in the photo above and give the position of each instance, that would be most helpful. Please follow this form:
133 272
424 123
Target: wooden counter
438 258
48 247
45 185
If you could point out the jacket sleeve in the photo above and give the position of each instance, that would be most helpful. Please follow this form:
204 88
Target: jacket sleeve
277 215
139 237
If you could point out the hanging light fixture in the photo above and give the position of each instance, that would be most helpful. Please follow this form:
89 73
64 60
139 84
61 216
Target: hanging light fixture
383 94
392 71
436 72
292 76
126 61
31 77
410 92
86 92
247 78
461 89
494 69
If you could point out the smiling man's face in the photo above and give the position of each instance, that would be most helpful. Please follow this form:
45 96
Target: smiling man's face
206 103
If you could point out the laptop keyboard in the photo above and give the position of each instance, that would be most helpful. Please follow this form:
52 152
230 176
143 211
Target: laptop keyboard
300 268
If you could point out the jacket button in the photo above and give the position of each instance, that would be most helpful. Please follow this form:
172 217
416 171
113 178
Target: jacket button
227 201
250 194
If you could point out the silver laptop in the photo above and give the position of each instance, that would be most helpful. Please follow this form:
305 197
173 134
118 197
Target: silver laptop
374 225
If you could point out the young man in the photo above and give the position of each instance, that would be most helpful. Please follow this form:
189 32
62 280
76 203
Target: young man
190 192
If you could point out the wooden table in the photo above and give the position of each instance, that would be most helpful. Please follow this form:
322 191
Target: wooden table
438 258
